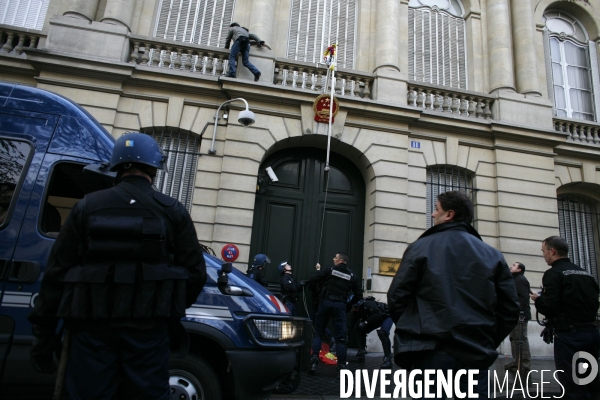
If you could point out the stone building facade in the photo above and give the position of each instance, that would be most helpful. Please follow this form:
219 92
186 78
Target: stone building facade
498 97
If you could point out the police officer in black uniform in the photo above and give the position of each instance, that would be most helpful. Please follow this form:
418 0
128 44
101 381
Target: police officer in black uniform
126 264
289 287
339 283
256 270
369 314
569 301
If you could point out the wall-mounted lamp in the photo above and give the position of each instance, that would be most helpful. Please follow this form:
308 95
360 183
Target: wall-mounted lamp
246 118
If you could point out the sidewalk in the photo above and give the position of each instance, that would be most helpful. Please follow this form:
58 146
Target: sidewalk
325 383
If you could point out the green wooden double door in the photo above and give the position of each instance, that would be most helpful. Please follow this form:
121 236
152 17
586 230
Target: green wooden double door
289 222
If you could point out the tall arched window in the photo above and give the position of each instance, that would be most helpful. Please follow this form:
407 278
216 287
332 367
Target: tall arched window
436 43
576 225
182 150
194 21
28 14
571 67
445 178
316 24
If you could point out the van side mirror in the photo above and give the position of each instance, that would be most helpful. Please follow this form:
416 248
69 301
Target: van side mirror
223 283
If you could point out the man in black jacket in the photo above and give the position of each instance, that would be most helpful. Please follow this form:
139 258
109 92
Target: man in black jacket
126 264
517 270
569 301
453 299
338 283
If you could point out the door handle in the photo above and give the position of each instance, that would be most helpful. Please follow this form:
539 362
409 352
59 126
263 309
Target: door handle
25 271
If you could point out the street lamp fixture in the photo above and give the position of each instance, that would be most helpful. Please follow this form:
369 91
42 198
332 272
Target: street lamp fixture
246 118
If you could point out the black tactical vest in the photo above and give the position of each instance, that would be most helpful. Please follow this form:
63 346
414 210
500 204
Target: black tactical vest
127 270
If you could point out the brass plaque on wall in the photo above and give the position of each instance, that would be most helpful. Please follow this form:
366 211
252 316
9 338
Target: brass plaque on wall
389 266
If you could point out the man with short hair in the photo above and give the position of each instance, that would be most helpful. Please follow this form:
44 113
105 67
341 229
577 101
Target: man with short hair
517 270
569 301
338 283
241 43
453 299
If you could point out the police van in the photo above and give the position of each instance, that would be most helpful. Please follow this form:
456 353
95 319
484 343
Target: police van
243 343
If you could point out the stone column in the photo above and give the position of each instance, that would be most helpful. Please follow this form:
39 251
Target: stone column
499 45
388 26
82 9
390 31
119 12
524 47
262 18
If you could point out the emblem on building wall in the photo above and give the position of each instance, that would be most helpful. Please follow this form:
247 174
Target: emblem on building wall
321 107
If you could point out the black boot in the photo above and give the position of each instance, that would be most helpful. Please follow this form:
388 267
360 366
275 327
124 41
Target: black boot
314 361
332 345
360 356
387 348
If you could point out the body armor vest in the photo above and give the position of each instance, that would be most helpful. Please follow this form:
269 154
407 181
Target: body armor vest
126 271
338 284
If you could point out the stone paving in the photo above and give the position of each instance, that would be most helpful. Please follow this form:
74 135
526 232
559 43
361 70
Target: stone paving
325 383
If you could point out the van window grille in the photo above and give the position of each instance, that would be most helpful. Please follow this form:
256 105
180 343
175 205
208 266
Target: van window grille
442 178
576 225
182 150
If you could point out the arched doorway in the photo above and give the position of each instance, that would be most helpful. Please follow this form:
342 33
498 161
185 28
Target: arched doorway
288 214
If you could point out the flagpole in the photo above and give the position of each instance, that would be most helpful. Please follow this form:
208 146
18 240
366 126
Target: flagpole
332 93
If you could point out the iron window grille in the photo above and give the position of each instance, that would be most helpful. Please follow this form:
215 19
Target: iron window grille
442 178
182 150
576 217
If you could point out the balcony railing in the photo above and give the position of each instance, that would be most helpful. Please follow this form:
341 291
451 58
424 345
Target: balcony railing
449 100
15 40
206 60
578 130
309 76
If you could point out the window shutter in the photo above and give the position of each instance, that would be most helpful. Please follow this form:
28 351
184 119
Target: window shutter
595 78
437 48
315 24
195 21
549 79
28 14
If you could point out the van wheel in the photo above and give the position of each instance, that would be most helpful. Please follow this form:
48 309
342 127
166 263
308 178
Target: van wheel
192 378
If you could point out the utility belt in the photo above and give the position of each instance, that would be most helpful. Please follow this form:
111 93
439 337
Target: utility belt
563 324
335 297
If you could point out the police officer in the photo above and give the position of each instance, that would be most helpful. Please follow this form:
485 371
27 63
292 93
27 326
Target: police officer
569 301
125 265
289 287
368 315
339 283
256 270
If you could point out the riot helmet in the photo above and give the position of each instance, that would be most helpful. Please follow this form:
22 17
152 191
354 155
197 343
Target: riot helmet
260 260
281 267
138 148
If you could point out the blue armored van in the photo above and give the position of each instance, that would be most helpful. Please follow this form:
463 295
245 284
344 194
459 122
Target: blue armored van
243 343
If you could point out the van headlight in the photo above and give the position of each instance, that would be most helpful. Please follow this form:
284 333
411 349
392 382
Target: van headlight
279 330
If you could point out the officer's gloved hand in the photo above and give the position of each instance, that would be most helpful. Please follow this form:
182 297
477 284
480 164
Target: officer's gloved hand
548 335
45 343
303 283
261 44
